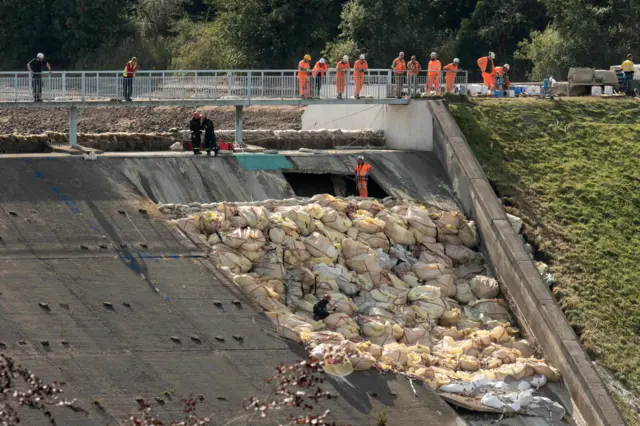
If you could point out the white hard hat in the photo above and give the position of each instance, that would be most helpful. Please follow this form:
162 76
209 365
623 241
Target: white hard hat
322 60
434 54
493 55
507 66
401 53
40 55
360 157
456 60
345 58
362 56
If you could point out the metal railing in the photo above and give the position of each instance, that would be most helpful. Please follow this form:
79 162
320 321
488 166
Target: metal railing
93 86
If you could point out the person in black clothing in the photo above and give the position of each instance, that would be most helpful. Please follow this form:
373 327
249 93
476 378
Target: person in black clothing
35 72
196 128
209 136
320 309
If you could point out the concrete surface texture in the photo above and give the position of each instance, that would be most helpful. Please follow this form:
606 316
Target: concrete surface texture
535 306
120 286
406 127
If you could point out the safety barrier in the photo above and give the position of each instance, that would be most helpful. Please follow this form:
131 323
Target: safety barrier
87 86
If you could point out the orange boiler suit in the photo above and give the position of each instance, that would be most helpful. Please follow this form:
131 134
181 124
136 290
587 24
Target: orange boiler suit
342 71
362 174
451 70
303 79
488 71
359 67
433 79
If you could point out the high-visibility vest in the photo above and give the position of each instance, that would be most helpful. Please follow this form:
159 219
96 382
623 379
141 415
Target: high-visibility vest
303 65
486 64
414 66
360 68
627 66
451 69
399 65
434 66
342 68
130 70
319 69
362 169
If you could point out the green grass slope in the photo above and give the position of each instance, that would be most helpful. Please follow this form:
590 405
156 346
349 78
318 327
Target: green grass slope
571 169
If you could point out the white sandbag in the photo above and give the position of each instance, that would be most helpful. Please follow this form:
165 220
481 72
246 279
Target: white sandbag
337 320
395 353
450 219
516 222
334 236
445 283
335 220
464 294
362 361
301 218
190 225
430 271
237 222
411 279
212 222
484 287
314 210
254 256
367 224
372 206
424 292
223 256
277 220
252 288
386 294
469 234
450 239
412 336
177 146
326 200
375 241
270 265
320 246
493 308
429 309
469 271
228 210
372 328
418 218
352 248
256 217
459 254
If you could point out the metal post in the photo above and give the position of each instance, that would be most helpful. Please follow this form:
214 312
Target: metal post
15 86
182 79
239 111
249 85
196 84
73 126
83 86
229 87
262 83
163 93
98 85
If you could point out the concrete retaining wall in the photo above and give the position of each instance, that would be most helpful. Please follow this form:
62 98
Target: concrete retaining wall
406 127
535 305
23 144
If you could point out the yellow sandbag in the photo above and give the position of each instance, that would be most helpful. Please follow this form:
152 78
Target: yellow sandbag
368 224
320 246
372 206
398 231
314 210
395 353
213 222
430 271
499 334
339 367
540 367
300 217
469 234
429 309
418 218
362 361
450 317
523 346
372 328
256 216
326 200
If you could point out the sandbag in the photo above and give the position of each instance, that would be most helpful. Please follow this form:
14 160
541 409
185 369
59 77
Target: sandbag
190 225
375 241
469 234
253 288
270 265
464 294
326 200
237 222
320 246
484 287
213 222
372 206
452 220
445 283
493 308
278 221
315 211
226 257
516 223
301 218
331 218
352 248
418 218
412 336
424 292
334 236
430 271
362 361
395 354
256 217
429 309
368 224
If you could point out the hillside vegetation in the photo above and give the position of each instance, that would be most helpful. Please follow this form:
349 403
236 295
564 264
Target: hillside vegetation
571 169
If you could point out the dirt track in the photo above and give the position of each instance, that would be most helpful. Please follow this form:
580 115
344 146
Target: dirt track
98 120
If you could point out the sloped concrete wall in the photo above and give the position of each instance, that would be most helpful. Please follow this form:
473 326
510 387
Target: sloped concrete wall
536 307
406 127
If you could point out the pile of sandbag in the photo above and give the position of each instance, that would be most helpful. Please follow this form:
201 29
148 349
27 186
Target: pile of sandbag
408 291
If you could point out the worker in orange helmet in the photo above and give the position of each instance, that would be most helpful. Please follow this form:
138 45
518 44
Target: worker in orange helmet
342 72
304 72
450 72
319 71
433 72
399 68
359 67
502 77
362 176
488 69
413 70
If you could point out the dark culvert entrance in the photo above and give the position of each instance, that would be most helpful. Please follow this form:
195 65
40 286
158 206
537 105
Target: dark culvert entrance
310 184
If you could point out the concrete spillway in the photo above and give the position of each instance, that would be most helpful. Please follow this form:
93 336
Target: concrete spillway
73 237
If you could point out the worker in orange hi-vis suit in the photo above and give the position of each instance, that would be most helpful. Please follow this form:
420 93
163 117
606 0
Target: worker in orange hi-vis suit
488 69
362 176
413 70
359 67
433 73
319 72
303 77
502 77
450 72
342 72
399 67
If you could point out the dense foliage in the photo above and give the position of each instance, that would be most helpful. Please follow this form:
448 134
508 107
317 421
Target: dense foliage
537 37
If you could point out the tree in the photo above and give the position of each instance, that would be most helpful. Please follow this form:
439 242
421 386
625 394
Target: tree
549 53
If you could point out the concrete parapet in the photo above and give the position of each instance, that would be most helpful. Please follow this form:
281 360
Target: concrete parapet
537 309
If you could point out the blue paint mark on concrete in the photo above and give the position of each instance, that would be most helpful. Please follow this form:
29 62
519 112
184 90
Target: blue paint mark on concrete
253 162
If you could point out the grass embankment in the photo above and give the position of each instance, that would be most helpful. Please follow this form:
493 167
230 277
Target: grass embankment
571 170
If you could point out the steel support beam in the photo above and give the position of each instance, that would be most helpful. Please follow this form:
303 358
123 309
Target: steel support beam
73 126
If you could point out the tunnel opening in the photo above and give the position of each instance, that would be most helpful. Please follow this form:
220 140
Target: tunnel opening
310 184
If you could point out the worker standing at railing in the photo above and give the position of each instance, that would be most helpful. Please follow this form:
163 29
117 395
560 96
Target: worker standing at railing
35 72
304 71
319 72
359 68
130 71
413 70
450 72
433 72
342 72
399 68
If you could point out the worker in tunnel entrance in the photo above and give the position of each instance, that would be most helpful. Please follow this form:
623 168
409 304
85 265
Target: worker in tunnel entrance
362 176
320 309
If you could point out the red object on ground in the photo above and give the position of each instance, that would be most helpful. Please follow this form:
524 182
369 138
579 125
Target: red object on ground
226 146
